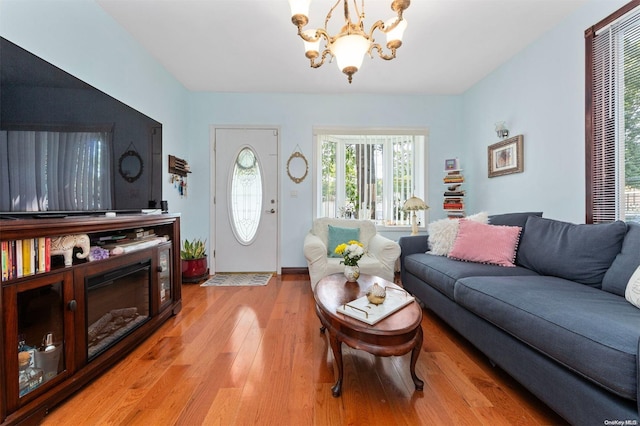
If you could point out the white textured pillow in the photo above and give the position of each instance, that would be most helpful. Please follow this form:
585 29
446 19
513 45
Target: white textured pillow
442 233
632 293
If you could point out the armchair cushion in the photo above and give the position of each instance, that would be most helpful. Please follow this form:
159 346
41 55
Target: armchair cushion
338 235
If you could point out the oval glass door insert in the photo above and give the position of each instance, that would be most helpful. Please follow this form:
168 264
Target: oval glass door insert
245 196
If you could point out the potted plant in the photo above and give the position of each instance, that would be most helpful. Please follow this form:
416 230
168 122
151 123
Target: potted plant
194 260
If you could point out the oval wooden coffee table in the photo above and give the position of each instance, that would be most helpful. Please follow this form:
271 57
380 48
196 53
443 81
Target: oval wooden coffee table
394 335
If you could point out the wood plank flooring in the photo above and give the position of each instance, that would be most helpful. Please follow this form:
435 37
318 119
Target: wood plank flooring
255 356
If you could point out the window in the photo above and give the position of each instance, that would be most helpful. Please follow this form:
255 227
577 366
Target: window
245 197
613 117
369 174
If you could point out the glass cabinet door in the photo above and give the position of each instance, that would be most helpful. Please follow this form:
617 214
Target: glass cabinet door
164 275
36 335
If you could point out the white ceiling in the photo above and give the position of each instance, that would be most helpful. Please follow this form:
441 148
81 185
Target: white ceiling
252 46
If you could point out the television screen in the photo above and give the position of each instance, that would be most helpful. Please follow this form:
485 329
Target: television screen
67 147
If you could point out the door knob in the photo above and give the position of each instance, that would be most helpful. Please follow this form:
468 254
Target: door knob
271 211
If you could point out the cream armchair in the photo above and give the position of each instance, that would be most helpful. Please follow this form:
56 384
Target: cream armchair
380 256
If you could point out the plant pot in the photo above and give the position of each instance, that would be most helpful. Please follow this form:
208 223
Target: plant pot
194 270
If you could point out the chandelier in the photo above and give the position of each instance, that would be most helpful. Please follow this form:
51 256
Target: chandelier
351 44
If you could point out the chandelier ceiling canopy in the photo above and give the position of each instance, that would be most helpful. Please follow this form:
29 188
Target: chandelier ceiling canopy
350 45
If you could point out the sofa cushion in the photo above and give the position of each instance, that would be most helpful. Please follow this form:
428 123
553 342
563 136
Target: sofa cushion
632 293
442 233
338 235
592 332
626 262
442 272
477 242
512 219
581 253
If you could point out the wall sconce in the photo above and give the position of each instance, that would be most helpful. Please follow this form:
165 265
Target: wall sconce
501 129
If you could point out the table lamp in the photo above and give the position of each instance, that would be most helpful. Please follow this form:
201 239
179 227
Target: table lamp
414 204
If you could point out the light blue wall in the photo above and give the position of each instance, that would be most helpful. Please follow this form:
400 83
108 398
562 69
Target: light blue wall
79 37
540 94
296 115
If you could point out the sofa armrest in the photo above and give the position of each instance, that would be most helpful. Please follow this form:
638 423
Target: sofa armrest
414 244
384 249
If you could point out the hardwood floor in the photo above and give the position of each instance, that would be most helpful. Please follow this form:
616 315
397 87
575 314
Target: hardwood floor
254 355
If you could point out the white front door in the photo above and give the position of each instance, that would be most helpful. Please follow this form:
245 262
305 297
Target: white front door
245 234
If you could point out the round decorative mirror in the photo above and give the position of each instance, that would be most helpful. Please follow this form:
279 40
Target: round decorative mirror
297 167
130 166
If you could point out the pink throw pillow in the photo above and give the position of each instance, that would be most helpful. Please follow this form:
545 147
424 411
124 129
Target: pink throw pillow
493 244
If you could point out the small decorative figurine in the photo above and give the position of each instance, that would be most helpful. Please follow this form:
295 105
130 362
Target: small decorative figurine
376 294
64 246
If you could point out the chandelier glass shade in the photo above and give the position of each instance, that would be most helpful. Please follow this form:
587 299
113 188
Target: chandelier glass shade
352 43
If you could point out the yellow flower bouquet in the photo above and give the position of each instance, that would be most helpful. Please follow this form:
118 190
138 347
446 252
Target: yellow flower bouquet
352 252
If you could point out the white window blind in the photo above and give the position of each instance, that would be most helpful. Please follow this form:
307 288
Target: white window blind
614 147
369 176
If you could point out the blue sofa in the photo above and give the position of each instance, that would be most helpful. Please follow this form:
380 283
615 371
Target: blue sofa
558 322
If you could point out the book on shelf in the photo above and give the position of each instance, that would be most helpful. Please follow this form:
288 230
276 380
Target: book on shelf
25 257
453 179
112 237
4 252
140 233
42 255
454 194
12 260
110 241
139 244
453 206
455 214
18 255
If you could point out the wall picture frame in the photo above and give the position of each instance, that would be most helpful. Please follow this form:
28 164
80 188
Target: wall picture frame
506 157
451 164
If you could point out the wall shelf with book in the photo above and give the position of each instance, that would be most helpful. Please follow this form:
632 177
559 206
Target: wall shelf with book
454 192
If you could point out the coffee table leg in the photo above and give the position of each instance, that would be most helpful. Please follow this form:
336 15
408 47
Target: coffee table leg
336 347
414 358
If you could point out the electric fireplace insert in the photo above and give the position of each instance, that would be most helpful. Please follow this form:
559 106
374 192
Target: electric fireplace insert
117 303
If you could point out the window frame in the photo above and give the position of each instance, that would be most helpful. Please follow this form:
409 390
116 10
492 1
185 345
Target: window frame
420 167
590 161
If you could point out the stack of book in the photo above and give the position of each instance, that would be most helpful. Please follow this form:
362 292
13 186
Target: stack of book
20 258
454 194
453 203
132 241
453 176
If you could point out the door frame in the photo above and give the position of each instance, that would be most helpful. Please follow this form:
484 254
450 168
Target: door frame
212 186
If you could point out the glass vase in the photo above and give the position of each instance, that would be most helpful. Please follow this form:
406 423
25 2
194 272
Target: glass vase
351 273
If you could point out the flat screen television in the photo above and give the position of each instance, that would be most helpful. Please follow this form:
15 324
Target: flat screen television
68 148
